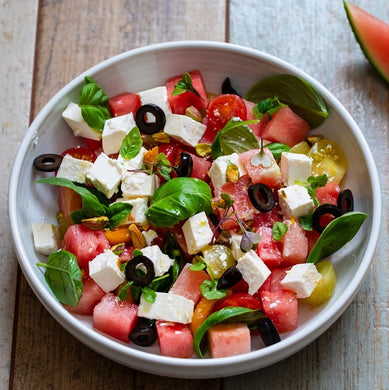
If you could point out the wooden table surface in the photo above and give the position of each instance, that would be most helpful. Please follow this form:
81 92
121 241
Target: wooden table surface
44 44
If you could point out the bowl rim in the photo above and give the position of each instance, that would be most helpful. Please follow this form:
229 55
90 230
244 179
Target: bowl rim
202 367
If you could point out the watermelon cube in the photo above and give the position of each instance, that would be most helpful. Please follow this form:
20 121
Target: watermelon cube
228 339
84 243
328 194
175 340
91 296
115 317
188 283
294 246
282 309
268 249
286 127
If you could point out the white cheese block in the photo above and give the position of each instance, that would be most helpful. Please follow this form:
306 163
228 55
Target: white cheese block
149 236
134 163
74 119
218 170
157 96
138 211
115 129
167 307
105 175
184 129
104 270
197 232
74 169
254 271
295 201
235 241
138 184
295 166
161 262
46 238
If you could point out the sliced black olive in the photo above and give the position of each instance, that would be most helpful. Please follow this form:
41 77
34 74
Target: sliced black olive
186 165
268 331
324 209
261 197
230 277
47 162
228 88
144 335
346 201
131 271
150 127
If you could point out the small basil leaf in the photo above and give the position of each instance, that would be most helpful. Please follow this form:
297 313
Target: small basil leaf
269 106
93 116
298 94
179 199
277 149
185 85
117 212
64 277
306 222
336 234
149 294
225 315
209 290
278 230
131 144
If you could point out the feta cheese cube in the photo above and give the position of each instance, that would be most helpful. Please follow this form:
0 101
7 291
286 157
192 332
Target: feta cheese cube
156 96
218 170
295 166
115 129
104 270
184 129
253 270
134 163
167 307
149 236
46 238
74 169
235 241
105 175
138 211
161 262
138 184
302 279
197 232
74 119
295 201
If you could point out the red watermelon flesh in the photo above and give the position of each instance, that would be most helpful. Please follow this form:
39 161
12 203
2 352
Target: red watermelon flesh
286 127
294 246
268 249
372 35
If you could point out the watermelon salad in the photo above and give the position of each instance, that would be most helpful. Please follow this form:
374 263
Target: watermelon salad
195 221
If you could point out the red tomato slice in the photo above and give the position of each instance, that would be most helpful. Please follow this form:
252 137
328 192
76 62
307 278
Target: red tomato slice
239 299
80 153
223 107
93 145
124 103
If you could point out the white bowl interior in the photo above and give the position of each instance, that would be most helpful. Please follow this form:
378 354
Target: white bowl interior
149 67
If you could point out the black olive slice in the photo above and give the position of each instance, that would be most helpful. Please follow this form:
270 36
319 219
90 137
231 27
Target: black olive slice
323 209
230 277
186 165
346 201
47 162
150 127
228 88
268 331
261 197
144 335
130 271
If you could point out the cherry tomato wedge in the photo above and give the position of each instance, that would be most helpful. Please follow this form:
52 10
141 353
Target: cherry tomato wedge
239 299
222 108
80 153
124 103
92 144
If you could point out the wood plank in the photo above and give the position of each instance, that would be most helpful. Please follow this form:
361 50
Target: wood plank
74 35
315 36
17 26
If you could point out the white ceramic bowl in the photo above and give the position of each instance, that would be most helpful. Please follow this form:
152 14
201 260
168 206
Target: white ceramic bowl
149 67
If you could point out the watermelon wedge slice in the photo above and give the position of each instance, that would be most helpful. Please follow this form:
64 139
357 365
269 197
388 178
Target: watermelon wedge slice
372 35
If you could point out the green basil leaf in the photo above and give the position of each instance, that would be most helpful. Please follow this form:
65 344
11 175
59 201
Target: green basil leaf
179 199
336 234
123 292
149 294
297 93
199 266
92 94
269 106
235 136
64 277
306 222
93 116
225 315
209 290
277 149
185 85
131 144
278 230
117 212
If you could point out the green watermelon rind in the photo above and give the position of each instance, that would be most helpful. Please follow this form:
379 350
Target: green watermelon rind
359 39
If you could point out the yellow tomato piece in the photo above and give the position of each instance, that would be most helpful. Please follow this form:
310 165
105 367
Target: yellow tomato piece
301 148
218 258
